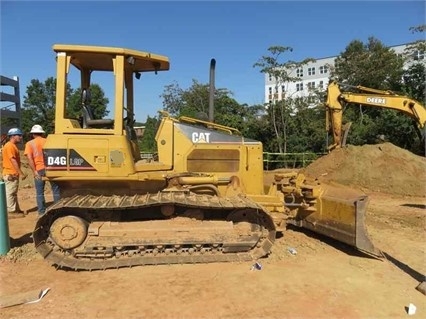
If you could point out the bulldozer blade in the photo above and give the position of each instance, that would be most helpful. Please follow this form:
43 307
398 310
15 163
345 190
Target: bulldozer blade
340 214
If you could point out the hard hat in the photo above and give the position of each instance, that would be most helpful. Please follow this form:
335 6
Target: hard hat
14 131
37 129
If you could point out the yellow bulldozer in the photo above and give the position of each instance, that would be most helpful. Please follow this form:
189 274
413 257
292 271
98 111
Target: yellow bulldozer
201 199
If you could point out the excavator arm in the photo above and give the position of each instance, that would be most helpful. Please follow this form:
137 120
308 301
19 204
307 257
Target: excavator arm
369 97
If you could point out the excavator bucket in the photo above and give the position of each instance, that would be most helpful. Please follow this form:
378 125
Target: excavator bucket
340 214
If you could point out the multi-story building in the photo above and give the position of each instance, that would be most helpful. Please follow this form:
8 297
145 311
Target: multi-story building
10 107
315 75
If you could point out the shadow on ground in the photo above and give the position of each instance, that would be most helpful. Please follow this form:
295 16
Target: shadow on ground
415 206
18 242
347 249
405 268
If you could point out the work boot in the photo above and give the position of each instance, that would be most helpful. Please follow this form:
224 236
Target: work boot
15 214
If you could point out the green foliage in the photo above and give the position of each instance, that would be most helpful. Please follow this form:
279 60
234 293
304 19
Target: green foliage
289 125
39 104
98 103
387 125
415 75
279 111
259 128
371 64
194 102
307 128
364 129
375 66
148 144
288 160
190 102
251 123
405 134
173 101
280 71
414 82
419 45
279 114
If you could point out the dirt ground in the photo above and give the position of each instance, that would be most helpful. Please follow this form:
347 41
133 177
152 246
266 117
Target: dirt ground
324 279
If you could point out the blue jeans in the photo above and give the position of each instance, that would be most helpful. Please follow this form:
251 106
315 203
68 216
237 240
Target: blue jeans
39 186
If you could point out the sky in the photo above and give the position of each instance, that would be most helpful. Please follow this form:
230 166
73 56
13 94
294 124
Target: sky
190 33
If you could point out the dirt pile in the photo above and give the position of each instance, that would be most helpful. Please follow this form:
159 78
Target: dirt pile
382 168
26 252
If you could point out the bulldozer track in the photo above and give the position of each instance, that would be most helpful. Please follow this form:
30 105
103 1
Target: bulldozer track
93 210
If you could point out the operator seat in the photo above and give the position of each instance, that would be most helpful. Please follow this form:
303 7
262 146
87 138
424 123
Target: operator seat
133 139
88 118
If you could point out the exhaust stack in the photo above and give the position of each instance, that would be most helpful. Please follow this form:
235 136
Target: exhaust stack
211 90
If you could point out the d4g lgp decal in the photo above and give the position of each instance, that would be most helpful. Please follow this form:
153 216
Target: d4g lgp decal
58 160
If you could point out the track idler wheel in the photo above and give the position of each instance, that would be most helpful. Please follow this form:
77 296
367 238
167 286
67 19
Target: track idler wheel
68 232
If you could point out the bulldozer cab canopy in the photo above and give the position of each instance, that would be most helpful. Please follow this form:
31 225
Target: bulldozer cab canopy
99 58
109 66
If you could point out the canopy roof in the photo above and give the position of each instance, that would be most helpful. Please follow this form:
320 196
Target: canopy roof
100 58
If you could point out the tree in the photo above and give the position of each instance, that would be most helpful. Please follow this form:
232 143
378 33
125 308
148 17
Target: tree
414 78
39 104
376 66
172 99
98 103
306 127
415 75
281 72
251 123
194 102
414 82
371 64
419 45
147 143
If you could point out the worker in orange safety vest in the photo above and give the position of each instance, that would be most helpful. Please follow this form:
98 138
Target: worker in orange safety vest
34 153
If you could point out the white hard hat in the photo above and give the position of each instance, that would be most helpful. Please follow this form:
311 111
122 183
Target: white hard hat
37 129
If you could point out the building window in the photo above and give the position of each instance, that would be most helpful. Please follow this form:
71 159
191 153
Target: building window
270 77
299 86
321 84
418 55
323 69
311 71
276 89
311 85
282 88
299 72
270 90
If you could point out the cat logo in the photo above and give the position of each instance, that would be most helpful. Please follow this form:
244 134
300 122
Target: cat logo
200 137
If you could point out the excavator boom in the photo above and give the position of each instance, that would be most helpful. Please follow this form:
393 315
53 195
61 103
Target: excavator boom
336 98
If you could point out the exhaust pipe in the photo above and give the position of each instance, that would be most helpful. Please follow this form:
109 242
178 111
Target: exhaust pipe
211 90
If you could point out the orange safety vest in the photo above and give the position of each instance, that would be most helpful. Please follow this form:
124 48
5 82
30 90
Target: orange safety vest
34 148
10 150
